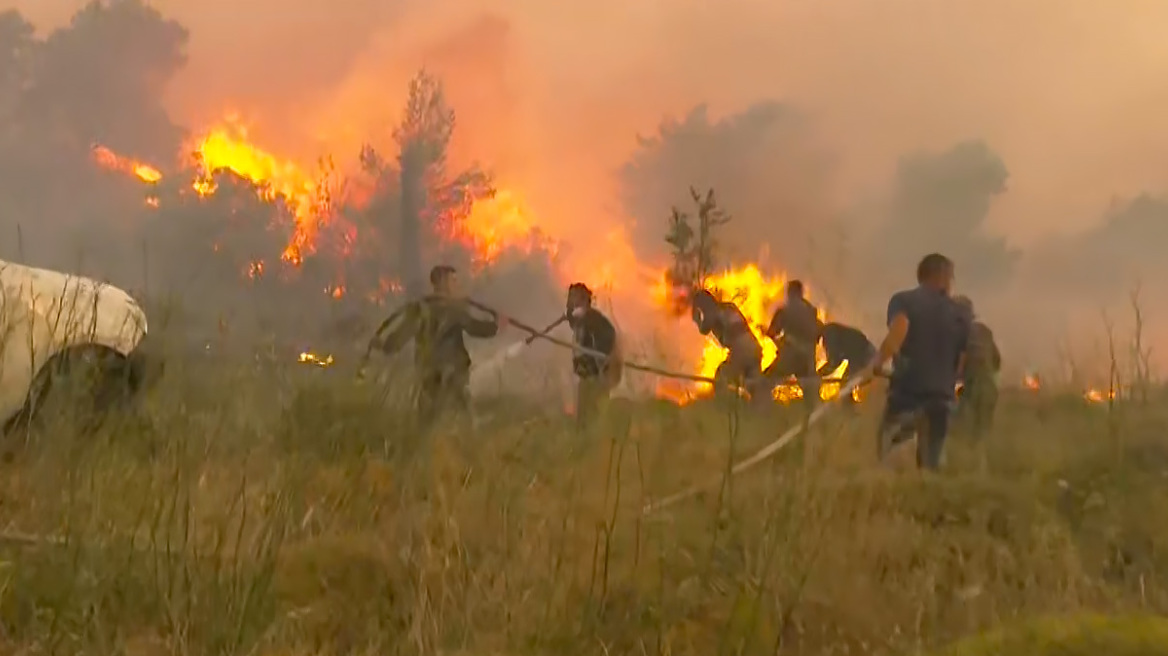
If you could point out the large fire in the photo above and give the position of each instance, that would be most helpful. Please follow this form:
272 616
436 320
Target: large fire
757 295
228 148
493 224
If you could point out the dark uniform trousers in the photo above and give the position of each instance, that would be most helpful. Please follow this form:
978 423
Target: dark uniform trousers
592 394
442 394
922 415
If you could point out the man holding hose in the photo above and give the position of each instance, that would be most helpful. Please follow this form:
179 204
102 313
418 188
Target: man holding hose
438 324
927 337
597 375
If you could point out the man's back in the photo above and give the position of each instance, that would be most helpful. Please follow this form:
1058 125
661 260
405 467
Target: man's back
726 323
983 355
595 332
442 323
847 343
798 320
937 336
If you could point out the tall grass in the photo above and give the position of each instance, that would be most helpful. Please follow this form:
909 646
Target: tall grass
265 507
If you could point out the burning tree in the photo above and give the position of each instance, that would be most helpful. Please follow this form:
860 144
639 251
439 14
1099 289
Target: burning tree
693 248
431 203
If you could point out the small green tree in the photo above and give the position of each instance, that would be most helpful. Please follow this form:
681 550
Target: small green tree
694 248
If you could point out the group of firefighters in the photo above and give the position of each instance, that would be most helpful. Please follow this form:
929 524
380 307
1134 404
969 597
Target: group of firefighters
942 357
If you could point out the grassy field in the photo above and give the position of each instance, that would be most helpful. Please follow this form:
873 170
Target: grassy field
283 509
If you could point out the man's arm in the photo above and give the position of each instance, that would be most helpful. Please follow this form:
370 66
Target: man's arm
476 327
392 341
897 331
964 336
705 323
776 326
604 335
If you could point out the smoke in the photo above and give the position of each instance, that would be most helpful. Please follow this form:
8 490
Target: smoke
1067 94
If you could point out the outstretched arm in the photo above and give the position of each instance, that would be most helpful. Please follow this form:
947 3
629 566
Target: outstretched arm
397 330
476 327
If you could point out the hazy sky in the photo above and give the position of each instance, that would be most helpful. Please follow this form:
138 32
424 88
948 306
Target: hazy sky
1070 92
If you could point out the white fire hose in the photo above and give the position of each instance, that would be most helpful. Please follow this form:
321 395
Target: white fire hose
762 454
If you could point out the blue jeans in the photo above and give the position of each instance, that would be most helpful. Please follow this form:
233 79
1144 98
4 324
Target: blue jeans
925 416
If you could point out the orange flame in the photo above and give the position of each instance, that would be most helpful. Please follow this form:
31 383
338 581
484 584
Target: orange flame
502 221
227 147
307 357
112 161
1032 382
756 295
1094 395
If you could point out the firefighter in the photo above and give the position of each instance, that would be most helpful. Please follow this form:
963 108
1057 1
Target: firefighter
978 398
597 376
795 329
437 324
841 343
927 335
727 324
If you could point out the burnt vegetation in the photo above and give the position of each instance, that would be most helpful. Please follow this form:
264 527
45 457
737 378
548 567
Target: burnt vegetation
248 504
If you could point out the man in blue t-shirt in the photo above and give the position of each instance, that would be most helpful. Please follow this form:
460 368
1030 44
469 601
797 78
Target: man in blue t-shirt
927 337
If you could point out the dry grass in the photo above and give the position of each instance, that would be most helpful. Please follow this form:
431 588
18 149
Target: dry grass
284 509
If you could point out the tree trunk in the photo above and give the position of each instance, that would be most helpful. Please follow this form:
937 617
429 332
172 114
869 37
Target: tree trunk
413 201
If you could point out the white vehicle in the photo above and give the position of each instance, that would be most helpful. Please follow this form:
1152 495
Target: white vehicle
55 325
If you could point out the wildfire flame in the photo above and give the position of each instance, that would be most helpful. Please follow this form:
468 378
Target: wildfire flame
491 225
308 357
1094 395
228 147
756 295
1032 382
112 161
499 222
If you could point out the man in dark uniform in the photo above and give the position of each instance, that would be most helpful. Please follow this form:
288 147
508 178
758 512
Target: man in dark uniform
795 329
927 335
723 320
598 376
437 324
978 397
846 343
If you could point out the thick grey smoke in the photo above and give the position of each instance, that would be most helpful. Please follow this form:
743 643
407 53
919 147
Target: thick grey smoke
1066 94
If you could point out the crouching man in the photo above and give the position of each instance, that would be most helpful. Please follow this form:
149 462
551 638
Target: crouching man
841 343
742 368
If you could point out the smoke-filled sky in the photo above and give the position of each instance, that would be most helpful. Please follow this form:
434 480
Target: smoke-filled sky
552 95
1070 92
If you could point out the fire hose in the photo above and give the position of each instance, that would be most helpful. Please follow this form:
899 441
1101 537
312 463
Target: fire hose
749 463
759 456
534 334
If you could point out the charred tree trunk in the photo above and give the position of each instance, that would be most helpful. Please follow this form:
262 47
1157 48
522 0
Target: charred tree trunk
413 202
